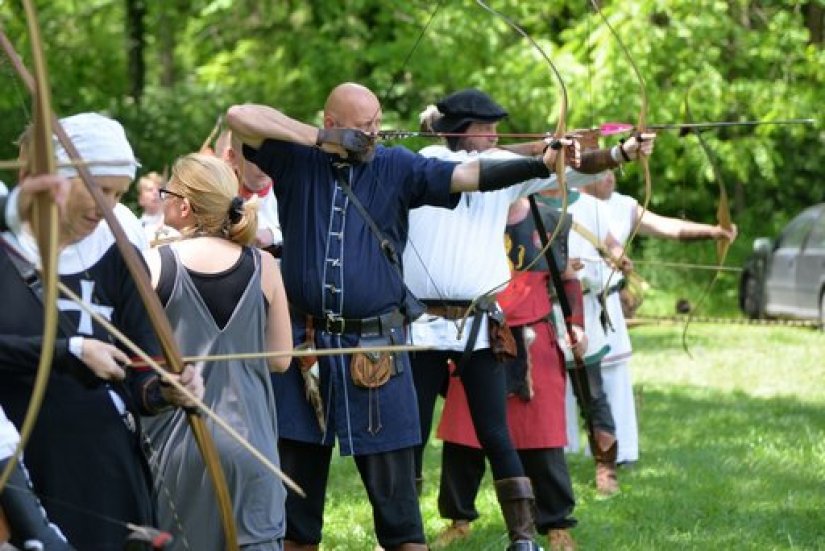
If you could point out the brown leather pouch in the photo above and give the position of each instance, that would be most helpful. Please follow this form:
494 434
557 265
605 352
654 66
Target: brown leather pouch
502 342
371 369
306 362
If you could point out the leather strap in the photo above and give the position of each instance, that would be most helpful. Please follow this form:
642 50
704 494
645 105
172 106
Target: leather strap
386 245
366 327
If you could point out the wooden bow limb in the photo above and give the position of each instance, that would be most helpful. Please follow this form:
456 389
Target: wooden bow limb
299 353
154 309
206 146
147 361
17 164
44 222
723 218
641 127
560 132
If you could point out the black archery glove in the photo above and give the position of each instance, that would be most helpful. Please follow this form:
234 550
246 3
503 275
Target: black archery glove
357 144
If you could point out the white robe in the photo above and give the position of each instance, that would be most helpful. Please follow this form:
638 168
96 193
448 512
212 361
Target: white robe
616 379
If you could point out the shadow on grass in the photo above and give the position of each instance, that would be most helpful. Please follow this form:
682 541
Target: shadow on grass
718 471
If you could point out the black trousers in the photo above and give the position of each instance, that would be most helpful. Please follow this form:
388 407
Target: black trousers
486 387
388 478
598 406
462 469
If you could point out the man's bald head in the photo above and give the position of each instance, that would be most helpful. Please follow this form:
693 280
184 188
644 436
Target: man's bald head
351 105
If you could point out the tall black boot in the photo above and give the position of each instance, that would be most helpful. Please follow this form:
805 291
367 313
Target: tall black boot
515 496
28 524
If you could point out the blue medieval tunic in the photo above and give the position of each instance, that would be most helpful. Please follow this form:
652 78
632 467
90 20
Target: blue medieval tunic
332 265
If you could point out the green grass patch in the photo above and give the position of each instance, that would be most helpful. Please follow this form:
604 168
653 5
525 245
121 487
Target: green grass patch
732 443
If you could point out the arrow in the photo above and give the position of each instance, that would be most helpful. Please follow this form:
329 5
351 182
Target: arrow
604 129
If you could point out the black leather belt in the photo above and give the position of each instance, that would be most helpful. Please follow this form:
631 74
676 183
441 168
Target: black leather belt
378 325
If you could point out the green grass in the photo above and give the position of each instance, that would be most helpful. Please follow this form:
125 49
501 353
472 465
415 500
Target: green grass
733 453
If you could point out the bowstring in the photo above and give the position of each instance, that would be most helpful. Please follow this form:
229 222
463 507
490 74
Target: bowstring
561 183
381 101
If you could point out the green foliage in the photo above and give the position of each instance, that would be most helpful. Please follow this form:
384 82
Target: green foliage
736 61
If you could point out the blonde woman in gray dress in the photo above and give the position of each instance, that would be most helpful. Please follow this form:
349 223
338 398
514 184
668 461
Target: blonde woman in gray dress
222 296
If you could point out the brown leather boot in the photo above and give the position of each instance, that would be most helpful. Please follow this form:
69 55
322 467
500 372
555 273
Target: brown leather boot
560 540
419 486
607 482
458 530
290 545
515 496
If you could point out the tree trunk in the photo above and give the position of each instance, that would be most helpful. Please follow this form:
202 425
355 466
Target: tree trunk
814 18
135 46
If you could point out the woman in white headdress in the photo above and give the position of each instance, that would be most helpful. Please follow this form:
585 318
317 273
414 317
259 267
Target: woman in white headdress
85 454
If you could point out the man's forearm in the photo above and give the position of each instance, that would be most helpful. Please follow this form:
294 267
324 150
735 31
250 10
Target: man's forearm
255 123
597 160
495 174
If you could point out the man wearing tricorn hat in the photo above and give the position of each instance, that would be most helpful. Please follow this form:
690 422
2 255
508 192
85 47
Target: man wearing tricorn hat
450 274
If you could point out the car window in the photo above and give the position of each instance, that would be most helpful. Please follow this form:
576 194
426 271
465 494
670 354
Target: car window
816 240
794 233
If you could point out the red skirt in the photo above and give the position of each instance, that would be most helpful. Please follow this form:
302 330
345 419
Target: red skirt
539 422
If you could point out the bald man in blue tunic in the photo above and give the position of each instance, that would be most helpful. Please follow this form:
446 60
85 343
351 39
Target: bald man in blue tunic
343 202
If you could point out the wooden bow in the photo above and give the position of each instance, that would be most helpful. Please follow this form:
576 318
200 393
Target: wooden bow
559 133
723 218
44 222
157 316
641 127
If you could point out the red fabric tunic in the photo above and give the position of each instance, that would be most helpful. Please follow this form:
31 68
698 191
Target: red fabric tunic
539 423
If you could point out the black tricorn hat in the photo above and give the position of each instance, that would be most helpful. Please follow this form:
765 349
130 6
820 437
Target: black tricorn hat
461 108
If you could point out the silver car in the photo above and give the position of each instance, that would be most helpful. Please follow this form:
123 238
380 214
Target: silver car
786 277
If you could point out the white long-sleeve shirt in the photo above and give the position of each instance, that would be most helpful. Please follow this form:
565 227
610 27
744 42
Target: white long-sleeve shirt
459 254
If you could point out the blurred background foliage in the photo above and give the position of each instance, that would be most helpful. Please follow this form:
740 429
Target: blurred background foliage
167 69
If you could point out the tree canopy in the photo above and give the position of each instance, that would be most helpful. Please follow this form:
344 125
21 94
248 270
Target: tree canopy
168 69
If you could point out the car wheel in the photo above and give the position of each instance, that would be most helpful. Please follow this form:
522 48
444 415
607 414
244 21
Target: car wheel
752 298
822 311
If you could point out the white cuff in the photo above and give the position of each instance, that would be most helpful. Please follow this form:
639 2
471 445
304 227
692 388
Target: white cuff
76 347
12 213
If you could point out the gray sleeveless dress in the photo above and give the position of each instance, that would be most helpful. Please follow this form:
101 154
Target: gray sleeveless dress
240 392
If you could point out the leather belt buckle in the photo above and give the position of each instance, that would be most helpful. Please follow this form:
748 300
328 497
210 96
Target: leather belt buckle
334 324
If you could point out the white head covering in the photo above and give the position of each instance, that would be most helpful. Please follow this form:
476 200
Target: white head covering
101 143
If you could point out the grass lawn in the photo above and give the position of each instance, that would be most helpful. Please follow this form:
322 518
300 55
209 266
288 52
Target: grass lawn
733 453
